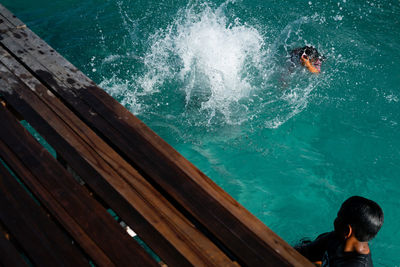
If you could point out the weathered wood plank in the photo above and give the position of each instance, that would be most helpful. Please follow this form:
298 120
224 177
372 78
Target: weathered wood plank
9 254
63 217
234 226
163 218
16 21
26 156
43 241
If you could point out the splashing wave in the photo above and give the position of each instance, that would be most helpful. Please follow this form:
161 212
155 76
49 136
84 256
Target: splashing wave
212 59
220 69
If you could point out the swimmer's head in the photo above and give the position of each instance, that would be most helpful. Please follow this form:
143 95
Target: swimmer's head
363 215
315 57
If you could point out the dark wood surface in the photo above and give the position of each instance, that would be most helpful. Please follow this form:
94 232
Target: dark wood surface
44 243
57 190
177 210
10 256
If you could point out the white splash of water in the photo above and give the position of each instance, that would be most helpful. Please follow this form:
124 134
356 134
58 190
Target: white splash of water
211 57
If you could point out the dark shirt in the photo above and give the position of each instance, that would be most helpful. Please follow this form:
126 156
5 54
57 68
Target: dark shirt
330 250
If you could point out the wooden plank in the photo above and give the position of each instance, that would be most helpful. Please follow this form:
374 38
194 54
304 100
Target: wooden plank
90 247
186 240
58 211
234 226
43 241
9 253
57 185
16 21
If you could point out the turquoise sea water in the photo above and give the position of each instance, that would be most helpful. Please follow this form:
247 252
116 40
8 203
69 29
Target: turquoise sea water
209 77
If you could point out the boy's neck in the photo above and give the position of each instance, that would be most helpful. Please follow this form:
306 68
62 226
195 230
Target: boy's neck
353 245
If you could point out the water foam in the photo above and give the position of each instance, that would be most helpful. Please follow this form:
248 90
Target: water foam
213 59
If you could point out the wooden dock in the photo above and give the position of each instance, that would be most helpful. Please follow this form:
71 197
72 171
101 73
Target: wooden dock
55 209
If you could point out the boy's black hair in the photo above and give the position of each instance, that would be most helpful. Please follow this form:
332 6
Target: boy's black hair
364 215
310 51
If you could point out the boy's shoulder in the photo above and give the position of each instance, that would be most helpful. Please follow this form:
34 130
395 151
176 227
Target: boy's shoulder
335 257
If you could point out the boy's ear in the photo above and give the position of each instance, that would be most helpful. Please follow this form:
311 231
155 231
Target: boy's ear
349 231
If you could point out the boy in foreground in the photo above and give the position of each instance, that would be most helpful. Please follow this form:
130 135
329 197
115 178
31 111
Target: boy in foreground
358 221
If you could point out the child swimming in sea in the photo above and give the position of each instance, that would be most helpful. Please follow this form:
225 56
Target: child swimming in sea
307 56
357 222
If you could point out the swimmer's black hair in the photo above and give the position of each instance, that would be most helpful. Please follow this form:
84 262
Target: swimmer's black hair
312 52
363 215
